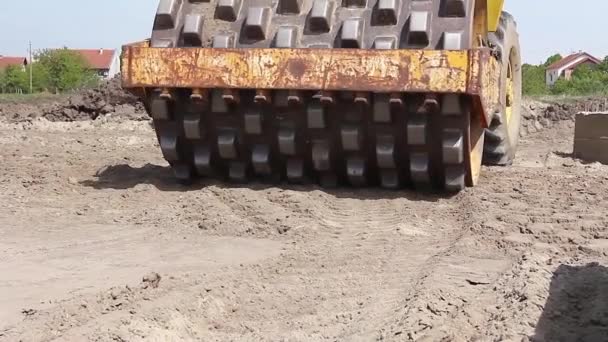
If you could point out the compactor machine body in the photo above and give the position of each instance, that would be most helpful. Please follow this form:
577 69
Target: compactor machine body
390 93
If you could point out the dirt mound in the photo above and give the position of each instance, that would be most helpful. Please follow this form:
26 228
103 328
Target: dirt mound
538 115
108 99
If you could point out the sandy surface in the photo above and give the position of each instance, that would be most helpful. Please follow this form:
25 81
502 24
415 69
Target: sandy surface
89 209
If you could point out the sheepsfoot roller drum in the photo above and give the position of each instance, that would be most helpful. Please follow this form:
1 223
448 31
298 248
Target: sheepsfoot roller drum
358 93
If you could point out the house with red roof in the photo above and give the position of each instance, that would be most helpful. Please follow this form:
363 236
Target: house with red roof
566 66
105 62
5 62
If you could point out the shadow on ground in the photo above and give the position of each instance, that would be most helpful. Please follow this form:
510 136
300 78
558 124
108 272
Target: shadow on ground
577 158
124 176
561 154
577 307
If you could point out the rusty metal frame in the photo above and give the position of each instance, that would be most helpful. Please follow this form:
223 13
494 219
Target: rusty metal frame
474 72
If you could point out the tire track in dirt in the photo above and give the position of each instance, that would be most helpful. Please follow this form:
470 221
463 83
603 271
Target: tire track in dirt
364 232
529 223
550 224
356 276
537 217
442 285
265 211
394 244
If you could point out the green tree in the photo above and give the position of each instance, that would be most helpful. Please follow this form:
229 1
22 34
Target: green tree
604 66
40 77
2 81
533 80
553 59
64 70
15 79
561 86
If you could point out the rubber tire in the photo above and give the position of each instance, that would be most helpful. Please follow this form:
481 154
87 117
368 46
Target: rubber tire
501 140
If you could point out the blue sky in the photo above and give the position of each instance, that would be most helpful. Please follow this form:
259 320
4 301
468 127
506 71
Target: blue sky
546 26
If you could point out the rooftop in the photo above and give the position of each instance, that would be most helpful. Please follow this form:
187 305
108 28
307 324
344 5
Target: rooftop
97 58
6 61
571 59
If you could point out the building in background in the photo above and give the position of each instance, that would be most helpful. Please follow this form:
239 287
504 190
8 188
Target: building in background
105 62
5 62
566 66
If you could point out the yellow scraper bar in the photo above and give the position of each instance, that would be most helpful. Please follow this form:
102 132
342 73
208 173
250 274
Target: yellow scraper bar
303 69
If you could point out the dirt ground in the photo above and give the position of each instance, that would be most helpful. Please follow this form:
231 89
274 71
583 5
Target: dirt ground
99 244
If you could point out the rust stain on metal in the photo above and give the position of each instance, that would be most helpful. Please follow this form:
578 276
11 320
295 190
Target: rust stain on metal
474 69
297 68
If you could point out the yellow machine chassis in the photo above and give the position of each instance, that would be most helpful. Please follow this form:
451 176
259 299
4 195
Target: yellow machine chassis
494 11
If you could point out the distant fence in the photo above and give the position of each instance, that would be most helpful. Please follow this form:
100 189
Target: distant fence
11 91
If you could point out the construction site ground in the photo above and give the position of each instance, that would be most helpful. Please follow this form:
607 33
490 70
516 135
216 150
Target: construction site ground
99 243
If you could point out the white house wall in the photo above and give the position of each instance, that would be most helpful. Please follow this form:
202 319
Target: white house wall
551 77
115 65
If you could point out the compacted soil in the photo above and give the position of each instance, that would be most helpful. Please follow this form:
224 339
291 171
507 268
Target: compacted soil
98 243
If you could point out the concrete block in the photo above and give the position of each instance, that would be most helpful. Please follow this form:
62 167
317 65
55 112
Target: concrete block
591 126
591 137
